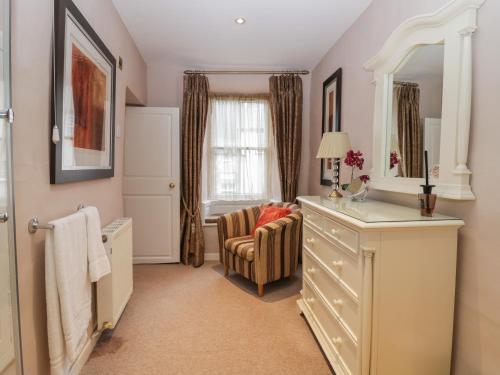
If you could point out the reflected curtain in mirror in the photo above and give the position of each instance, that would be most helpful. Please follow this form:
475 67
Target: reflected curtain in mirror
407 100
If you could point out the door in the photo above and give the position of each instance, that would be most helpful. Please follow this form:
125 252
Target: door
151 182
9 329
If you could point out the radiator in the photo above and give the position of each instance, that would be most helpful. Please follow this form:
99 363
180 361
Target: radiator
114 290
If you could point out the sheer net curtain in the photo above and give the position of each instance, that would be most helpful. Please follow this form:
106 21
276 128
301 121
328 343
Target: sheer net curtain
239 148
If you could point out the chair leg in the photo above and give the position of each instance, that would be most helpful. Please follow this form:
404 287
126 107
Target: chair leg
260 289
226 269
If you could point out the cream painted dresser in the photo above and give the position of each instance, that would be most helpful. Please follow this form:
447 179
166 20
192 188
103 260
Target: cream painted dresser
379 286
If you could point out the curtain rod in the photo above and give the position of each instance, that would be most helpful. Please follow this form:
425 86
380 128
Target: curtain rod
248 72
404 83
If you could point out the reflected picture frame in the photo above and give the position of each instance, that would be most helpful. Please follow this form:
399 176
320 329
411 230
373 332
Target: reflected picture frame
332 102
83 100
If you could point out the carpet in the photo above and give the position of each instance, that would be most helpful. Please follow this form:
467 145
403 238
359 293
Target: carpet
184 320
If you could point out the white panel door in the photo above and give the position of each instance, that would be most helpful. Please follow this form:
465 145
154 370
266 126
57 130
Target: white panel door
151 182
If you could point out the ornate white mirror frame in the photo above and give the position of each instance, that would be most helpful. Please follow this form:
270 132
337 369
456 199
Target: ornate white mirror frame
452 25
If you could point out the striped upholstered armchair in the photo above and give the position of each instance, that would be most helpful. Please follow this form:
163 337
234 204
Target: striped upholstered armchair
269 255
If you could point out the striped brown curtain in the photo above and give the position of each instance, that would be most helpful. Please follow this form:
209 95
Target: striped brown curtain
409 129
194 121
286 113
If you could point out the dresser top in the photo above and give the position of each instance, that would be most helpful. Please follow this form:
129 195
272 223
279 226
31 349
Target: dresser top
373 212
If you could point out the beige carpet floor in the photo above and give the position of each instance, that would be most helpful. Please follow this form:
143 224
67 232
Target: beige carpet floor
184 320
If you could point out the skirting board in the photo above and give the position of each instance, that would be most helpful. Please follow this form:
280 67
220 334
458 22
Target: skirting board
211 256
154 260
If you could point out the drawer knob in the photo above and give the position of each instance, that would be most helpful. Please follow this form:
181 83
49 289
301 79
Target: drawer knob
337 340
308 216
310 300
310 241
334 231
338 263
338 302
311 271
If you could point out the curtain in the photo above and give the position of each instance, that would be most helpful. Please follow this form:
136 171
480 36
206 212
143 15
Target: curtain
409 129
239 148
194 121
286 114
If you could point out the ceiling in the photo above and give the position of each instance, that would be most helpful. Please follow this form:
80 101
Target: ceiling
202 33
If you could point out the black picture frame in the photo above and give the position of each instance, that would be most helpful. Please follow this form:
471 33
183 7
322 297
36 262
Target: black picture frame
334 81
58 175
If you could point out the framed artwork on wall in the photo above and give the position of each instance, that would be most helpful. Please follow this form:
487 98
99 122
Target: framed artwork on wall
332 98
83 100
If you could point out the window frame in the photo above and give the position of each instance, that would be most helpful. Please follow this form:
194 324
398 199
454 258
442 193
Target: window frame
211 195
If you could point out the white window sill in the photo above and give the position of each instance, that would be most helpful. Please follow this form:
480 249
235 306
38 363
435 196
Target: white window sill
214 208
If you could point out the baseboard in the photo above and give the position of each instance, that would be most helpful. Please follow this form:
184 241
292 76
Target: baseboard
155 260
211 256
85 354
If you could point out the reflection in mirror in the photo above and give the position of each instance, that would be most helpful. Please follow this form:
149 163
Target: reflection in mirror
415 113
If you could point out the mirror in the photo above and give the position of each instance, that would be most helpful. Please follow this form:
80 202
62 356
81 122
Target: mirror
432 53
414 116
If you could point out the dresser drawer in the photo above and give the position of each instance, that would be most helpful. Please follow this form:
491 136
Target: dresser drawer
345 266
341 234
346 308
345 350
312 218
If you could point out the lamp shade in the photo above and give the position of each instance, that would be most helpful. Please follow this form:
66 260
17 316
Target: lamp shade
334 145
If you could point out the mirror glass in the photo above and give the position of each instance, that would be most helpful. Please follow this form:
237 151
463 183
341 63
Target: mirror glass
415 100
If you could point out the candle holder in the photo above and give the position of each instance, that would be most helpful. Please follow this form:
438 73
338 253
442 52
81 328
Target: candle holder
427 204
427 199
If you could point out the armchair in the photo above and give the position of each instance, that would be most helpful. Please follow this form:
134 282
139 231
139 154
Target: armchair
269 255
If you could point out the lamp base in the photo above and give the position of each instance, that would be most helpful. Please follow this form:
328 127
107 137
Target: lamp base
335 193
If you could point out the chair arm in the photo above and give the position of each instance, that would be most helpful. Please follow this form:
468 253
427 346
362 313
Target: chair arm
277 247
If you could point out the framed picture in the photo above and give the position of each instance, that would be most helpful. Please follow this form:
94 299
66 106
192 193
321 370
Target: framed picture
83 100
332 96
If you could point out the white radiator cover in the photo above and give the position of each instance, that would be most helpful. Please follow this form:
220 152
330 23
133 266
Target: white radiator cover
114 290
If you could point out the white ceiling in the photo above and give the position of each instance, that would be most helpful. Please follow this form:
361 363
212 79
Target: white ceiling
202 33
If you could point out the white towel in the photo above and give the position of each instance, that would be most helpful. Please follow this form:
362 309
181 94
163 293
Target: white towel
68 291
98 260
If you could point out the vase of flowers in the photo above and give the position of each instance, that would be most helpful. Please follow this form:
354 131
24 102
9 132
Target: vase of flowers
357 187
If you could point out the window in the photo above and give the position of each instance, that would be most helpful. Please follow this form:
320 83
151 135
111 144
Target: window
239 148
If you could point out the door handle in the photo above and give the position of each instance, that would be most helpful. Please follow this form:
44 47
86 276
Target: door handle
172 185
3 217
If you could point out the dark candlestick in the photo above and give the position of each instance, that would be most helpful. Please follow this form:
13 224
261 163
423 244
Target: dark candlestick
426 188
426 169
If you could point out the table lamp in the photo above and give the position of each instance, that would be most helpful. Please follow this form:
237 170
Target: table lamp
334 145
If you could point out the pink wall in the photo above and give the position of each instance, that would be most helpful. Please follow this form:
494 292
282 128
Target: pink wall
31 87
477 321
165 89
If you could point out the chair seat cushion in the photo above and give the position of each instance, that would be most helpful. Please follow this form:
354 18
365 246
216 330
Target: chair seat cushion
241 246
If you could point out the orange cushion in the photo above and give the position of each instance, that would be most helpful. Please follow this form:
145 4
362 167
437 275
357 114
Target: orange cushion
270 214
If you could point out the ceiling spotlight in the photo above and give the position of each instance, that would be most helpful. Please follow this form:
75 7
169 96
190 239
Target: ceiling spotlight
240 20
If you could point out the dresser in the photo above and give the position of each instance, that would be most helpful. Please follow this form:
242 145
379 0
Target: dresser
379 286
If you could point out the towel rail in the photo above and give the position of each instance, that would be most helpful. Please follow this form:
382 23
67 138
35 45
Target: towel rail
34 224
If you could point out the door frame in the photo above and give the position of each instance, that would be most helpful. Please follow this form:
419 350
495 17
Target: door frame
11 227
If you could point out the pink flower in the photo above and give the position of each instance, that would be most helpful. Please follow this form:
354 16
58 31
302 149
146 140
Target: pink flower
354 159
393 159
365 178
